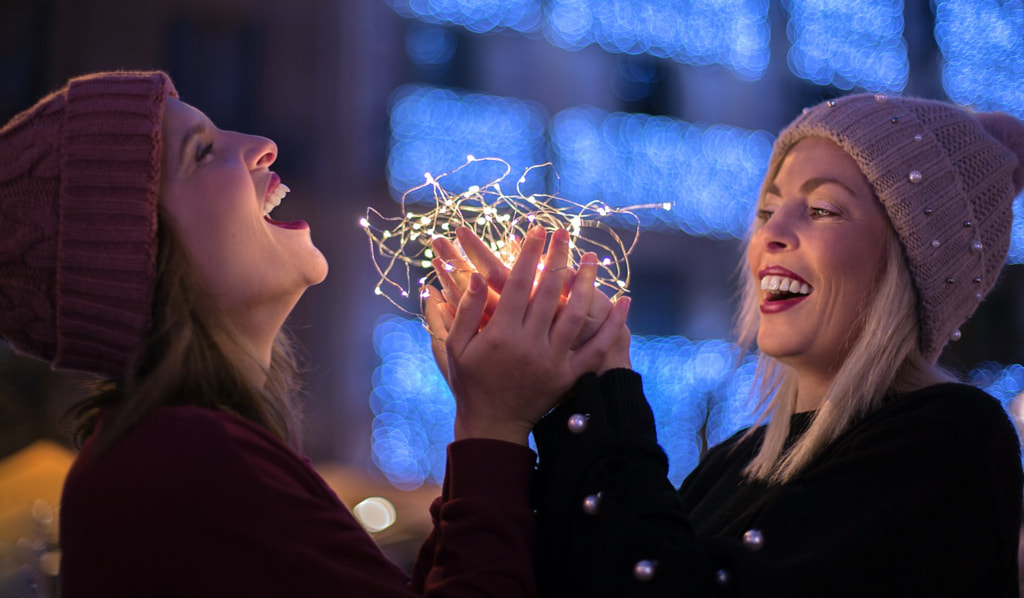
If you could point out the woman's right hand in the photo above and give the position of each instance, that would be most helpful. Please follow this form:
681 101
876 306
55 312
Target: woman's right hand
508 373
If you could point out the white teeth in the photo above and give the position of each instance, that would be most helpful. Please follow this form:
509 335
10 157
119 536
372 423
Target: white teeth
782 284
274 199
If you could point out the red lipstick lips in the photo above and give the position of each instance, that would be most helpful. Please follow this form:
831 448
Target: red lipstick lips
773 306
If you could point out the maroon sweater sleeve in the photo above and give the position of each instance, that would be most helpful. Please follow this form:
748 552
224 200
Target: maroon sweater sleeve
194 502
483 536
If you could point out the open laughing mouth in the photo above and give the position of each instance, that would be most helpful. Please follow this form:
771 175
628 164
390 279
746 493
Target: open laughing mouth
273 199
781 288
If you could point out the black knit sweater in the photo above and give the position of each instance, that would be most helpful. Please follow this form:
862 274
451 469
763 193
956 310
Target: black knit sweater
920 498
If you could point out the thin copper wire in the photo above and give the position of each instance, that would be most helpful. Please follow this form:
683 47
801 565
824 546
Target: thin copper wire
400 245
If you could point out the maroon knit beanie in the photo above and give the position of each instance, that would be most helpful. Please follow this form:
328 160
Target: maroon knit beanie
79 182
947 179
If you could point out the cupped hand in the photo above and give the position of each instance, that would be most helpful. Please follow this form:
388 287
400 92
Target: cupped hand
507 374
453 270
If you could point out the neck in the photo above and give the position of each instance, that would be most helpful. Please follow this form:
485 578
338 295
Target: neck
811 391
260 325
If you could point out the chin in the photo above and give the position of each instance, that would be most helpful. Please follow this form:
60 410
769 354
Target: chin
321 271
313 267
777 350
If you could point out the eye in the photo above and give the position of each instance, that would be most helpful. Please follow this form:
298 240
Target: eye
822 213
202 151
764 214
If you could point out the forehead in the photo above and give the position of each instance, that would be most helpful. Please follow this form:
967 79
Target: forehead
178 113
819 155
180 122
822 159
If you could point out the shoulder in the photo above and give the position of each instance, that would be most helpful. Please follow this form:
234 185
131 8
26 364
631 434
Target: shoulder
956 405
723 461
198 421
189 432
949 422
182 447
952 396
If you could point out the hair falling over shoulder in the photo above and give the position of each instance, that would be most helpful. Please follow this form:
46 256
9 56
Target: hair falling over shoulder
192 356
883 360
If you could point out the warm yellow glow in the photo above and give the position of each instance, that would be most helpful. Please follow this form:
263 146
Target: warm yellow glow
400 244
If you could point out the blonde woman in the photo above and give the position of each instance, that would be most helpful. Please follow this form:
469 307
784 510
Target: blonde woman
881 225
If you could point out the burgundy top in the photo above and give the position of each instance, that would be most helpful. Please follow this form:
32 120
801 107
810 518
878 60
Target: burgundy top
194 502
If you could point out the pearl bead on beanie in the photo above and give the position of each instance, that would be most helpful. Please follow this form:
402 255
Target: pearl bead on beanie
947 179
79 183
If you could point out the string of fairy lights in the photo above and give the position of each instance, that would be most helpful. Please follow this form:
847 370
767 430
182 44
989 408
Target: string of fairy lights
400 245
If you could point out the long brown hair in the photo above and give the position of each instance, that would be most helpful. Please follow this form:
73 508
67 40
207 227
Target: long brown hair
193 356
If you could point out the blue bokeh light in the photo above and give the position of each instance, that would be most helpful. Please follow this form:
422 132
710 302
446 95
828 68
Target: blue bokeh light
434 129
731 33
982 42
412 407
478 16
430 47
690 385
694 385
712 175
1016 254
1002 382
848 44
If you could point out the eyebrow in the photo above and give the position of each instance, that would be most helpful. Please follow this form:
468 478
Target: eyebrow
194 130
810 185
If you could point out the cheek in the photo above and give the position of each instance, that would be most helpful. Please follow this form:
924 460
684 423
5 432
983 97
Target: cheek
854 278
753 255
866 262
205 229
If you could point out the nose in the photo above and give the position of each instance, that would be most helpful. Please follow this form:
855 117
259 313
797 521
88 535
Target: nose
260 152
778 233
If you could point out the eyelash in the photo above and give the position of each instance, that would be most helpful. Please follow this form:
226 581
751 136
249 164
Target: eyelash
822 213
764 215
204 151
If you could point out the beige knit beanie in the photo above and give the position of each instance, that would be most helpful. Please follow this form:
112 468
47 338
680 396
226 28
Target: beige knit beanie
947 179
79 183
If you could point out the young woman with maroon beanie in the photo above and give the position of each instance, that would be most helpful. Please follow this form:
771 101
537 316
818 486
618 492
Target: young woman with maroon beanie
136 244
